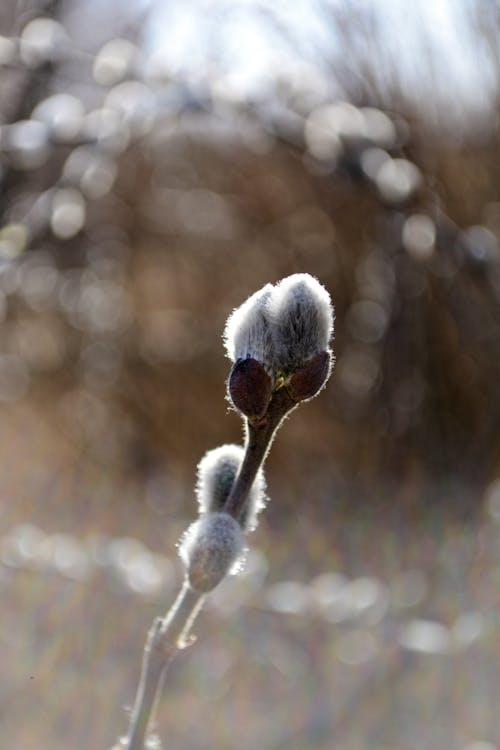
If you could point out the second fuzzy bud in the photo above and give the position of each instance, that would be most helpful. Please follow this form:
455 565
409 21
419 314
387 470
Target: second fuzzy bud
209 549
217 472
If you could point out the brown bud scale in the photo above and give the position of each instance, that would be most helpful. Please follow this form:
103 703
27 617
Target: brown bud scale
250 387
308 380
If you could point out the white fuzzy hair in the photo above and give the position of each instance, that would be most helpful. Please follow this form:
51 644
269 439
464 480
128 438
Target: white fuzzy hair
301 315
210 548
247 331
282 326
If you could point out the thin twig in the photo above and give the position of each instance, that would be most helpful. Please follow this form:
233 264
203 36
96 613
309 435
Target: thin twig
258 439
166 636
172 633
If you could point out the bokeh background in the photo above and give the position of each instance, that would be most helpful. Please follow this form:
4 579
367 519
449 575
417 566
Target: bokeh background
158 164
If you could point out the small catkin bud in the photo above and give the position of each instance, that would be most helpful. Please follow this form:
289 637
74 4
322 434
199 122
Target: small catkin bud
217 471
249 387
209 549
301 315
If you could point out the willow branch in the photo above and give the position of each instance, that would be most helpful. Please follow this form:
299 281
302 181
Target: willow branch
259 437
166 636
170 634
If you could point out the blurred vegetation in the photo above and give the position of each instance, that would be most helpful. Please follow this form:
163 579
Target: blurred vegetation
139 206
135 218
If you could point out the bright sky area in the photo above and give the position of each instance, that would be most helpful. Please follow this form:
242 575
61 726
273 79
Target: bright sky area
430 43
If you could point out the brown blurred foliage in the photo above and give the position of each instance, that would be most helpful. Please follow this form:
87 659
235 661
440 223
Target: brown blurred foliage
138 207
132 227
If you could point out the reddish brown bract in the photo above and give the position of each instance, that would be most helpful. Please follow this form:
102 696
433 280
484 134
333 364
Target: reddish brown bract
308 380
250 387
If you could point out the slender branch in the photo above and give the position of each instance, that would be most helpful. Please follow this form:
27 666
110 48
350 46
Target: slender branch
259 437
172 633
166 636
213 543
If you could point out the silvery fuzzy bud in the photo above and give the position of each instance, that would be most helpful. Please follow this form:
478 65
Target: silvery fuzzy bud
282 332
209 549
247 334
301 317
217 471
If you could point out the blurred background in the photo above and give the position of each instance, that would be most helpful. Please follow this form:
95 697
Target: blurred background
158 163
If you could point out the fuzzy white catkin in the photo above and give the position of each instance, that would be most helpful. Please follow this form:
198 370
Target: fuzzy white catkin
282 326
301 315
216 473
247 331
210 548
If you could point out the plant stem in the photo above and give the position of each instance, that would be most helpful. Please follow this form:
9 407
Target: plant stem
166 636
172 633
258 439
